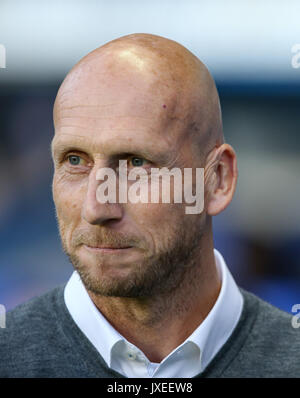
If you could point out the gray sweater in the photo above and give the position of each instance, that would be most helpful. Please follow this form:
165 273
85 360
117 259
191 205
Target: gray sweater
42 340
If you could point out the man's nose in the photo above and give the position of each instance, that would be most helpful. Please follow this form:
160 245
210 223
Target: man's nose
93 211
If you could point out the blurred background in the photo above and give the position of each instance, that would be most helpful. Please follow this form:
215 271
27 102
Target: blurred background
247 45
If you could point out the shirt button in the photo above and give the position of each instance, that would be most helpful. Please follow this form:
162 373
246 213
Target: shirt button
131 356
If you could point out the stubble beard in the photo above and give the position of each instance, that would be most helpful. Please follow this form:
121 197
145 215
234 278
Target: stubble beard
157 274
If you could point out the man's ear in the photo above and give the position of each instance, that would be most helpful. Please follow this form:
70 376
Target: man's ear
220 178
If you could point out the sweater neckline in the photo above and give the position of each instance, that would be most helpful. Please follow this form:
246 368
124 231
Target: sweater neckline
84 349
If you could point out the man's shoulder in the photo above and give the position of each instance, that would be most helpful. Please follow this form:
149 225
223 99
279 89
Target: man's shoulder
271 343
42 340
33 343
270 320
37 309
30 321
264 343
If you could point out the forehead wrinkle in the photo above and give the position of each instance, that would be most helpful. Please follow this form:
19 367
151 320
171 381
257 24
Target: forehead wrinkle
164 121
105 117
141 99
109 111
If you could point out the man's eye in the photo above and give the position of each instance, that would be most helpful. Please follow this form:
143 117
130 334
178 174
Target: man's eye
137 162
74 160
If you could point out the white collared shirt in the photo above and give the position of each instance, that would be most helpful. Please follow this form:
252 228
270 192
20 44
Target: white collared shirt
187 360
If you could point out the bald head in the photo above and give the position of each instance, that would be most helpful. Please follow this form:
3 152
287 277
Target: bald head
153 72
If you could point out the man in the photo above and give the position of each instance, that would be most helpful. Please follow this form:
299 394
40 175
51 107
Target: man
150 297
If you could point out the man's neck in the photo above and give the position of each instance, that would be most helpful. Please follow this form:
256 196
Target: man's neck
157 325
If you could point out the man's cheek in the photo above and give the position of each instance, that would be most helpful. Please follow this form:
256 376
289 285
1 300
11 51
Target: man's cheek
68 210
156 219
58 191
68 199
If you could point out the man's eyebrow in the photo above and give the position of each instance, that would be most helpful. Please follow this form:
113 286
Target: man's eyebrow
59 149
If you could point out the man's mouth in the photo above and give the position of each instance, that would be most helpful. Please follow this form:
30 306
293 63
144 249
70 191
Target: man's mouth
107 248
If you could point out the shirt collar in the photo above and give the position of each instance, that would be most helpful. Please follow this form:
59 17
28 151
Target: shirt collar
220 322
89 319
209 337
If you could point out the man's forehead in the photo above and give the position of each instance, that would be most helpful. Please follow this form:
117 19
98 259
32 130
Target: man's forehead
118 109
121 83
120 123
165 91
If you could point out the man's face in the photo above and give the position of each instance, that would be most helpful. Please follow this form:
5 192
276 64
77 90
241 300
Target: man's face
131 249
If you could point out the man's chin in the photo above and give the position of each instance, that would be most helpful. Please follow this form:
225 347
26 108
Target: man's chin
107 276
112 282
